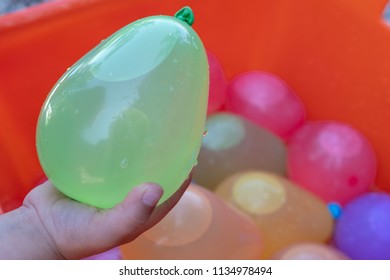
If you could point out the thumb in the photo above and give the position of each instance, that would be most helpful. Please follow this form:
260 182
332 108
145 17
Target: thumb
127 220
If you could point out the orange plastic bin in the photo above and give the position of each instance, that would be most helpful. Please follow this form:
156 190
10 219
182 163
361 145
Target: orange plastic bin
334 54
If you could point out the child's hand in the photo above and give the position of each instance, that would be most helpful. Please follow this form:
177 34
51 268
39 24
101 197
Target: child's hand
49 225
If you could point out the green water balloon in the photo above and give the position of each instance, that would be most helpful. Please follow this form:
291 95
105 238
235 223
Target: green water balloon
132 110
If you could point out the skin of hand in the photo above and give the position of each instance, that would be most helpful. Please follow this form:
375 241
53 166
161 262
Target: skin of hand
50 225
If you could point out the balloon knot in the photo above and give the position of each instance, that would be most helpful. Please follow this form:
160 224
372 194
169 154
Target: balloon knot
335 210
185 14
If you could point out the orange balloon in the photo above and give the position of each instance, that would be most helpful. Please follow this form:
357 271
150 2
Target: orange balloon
310 251
284 212
200 226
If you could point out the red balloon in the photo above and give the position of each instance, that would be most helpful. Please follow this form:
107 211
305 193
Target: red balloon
266 100
218 84
331 159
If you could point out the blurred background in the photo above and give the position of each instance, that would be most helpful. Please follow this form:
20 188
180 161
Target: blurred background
295 157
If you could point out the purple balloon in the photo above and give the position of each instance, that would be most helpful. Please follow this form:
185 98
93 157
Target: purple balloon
363 230
113 254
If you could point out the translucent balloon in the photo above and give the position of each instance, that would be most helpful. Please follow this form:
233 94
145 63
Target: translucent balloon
131 110
218 84
201 226
284 212
363 230
266 100
113 254
234 144
310 251
332 160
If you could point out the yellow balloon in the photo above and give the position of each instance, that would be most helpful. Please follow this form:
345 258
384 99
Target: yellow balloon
284 212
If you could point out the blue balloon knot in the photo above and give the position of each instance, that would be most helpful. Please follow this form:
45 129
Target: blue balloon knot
335 210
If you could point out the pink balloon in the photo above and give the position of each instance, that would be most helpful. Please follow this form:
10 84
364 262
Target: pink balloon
266 100
310 251
331 159
218 84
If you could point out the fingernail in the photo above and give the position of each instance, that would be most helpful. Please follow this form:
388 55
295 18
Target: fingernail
152 195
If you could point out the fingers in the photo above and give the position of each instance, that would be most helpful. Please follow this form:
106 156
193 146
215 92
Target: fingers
80 230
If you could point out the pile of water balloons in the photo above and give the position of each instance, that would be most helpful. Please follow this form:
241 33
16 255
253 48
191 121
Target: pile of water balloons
271 185
268 183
